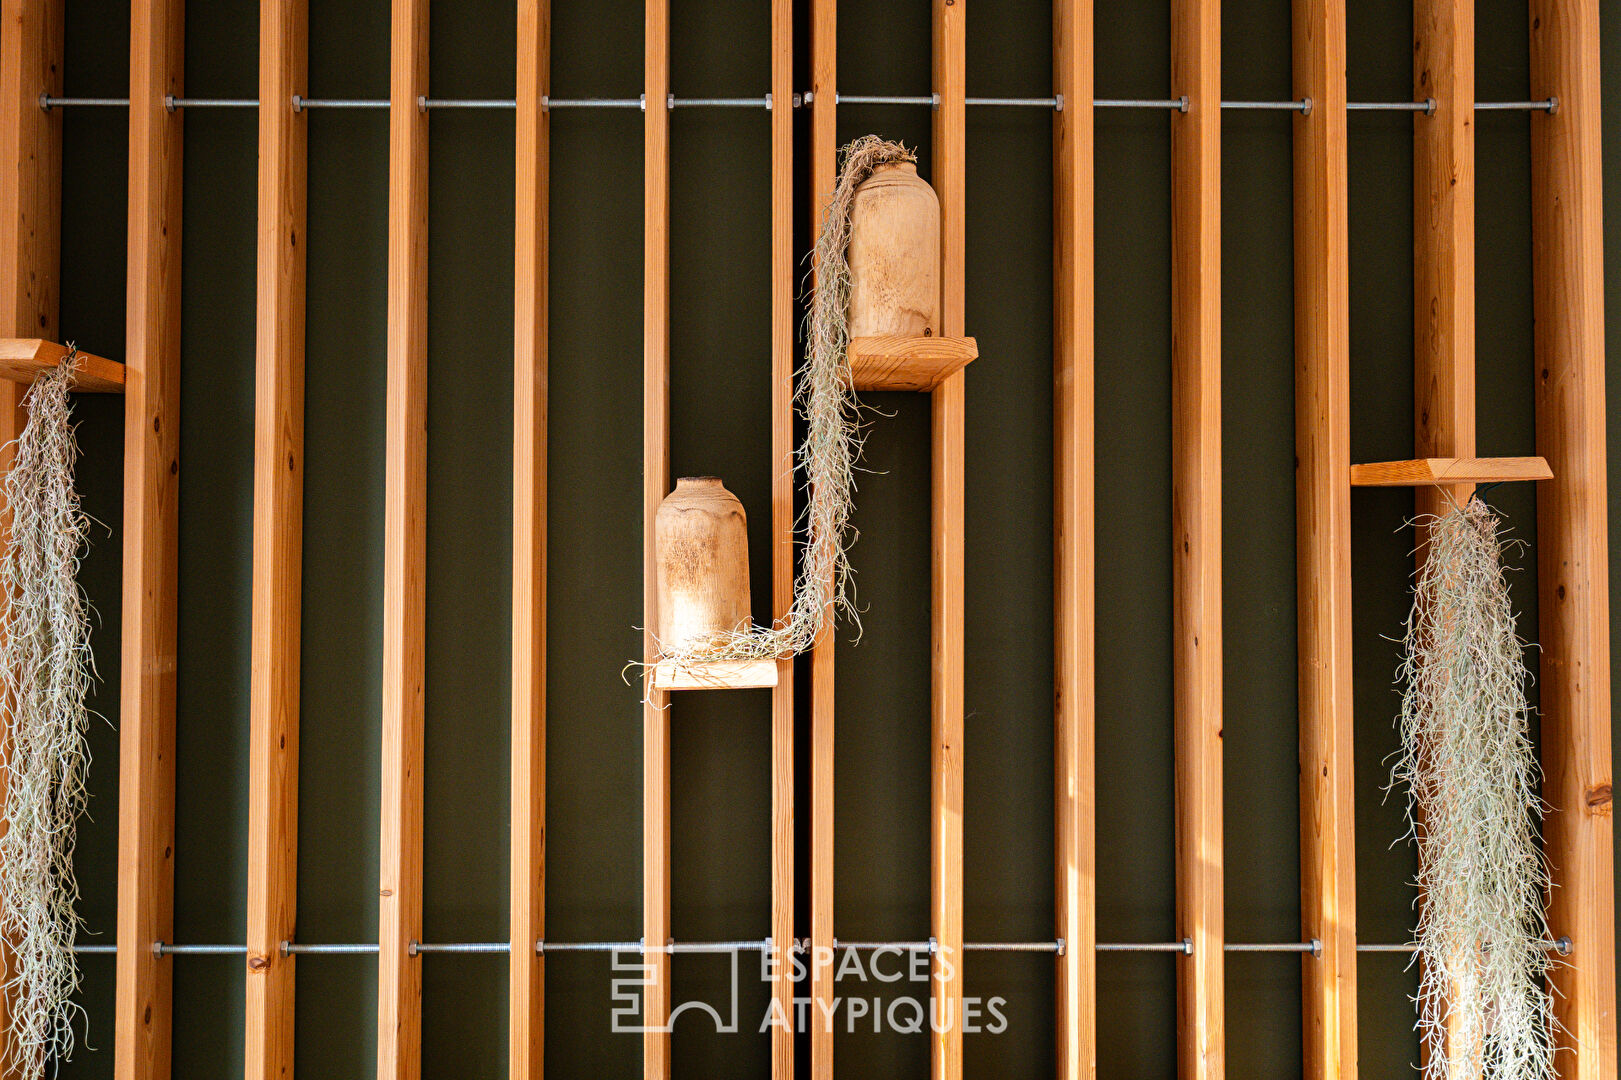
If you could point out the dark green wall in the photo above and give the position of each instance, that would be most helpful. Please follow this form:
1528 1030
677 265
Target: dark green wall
720 424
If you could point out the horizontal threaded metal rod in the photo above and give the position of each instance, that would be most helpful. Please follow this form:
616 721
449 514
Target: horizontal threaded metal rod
1179 104
1012 946
302 103
1183 946
1302 106
174 103
95 950
1548 105
47 102
469 103
1427 106
587 946
164 948
1273 946
721 102
885 99
289 948
500 947
1017 102
591 103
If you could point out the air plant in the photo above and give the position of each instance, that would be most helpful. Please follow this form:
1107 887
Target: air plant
1472 778
828 454
46 670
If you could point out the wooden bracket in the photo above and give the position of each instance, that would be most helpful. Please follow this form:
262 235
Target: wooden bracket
1420 472
714 674
24 359
893 362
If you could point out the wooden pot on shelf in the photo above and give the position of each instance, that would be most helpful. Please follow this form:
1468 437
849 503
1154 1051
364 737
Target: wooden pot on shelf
702 546
894 255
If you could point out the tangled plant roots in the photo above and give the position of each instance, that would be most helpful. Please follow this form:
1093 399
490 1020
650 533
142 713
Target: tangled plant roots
46 668
1471 775
832 444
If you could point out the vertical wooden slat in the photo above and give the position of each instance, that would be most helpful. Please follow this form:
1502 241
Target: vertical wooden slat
824 167
1074 629
151 555
1443 252
526 1006
399 975
278 527
1196 533
655 485
30 221
949 408
782 526
1444 239
1323 540
1567 200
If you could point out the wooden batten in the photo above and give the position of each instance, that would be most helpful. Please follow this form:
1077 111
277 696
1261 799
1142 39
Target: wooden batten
823 173
655 485
1567 231
948 426
22 360
151 549
1074 632
278 536
783 318
30 227
1323 522
399 975
526 1003
1196 534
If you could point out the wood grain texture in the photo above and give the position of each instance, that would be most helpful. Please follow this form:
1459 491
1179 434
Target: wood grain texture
655 485
1196 534
30 227
278 541
1074 628
949 472
1443 278
399 974
823 173
1444 240
31 182
716 674
784 839
526 997
1567 208
22 360
151 549
1452 473
1323 542
893 362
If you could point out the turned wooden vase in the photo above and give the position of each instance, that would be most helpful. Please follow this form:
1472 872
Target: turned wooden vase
894 254
702 546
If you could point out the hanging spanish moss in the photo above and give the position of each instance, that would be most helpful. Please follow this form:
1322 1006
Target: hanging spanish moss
827 457
45 673
1471 775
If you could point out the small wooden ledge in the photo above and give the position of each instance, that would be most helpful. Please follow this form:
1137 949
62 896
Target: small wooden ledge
1421 472
908 363
714 674
24 359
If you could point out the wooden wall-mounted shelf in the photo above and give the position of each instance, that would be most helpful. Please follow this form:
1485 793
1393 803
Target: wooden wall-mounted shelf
714 674
1421 472
24 359
908 363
